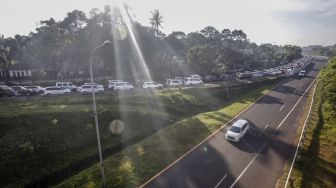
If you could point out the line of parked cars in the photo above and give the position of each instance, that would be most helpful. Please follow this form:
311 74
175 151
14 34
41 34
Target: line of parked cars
61 88
275 71
6 91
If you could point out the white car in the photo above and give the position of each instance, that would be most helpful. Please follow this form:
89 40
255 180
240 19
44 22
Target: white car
237 130
192 81
67 85
302 73
174 83
54 90
111 83
119 86
153 85
87 88
95 84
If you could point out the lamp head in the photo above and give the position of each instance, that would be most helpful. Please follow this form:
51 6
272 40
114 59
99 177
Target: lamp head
106 42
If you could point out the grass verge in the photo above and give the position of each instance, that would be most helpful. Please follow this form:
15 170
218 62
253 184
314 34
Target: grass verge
138 163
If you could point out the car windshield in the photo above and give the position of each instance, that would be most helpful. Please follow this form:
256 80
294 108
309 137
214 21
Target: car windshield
235 129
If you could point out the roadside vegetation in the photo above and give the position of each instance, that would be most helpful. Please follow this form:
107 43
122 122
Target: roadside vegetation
138 163
45 140
316 165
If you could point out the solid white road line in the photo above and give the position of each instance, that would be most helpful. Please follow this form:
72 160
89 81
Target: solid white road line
221 181
263 130
298 145
242 173
282 106
252 160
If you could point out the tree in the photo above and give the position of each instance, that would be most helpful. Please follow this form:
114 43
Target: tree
238 35
177 41
202 59
212 35
226 34
195 39
292 52
156 21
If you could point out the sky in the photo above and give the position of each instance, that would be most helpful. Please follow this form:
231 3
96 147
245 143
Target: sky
297 22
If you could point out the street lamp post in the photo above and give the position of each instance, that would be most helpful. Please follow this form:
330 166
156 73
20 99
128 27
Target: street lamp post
95 111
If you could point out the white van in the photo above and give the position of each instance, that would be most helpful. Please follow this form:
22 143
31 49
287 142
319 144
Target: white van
192 81
174 83
196 76
87 88
111 83
67 85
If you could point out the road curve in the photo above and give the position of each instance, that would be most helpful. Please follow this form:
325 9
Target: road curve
259 158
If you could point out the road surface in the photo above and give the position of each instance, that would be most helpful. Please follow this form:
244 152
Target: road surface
259 158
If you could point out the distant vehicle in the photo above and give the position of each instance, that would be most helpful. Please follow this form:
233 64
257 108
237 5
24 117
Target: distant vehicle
67 85
111 83
210 78
302 73
257 74
195 76
20 90
168 81
35 89
174 83
192 81
227 77
237 130
153 85
5 91
119 86
179 79
242 75
87 89
54 90
95 84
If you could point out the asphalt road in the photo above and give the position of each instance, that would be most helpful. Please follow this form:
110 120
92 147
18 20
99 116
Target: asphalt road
259 158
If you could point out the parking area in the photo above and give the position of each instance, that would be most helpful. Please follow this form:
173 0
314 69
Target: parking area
177 83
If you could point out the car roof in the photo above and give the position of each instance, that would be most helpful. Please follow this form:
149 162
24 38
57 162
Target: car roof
239 123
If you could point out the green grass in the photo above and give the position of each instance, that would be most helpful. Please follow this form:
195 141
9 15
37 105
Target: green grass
136 164
316 166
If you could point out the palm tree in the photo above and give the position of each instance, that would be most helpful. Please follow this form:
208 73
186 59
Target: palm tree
156 21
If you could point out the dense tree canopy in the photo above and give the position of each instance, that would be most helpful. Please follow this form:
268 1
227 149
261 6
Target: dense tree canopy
61 49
